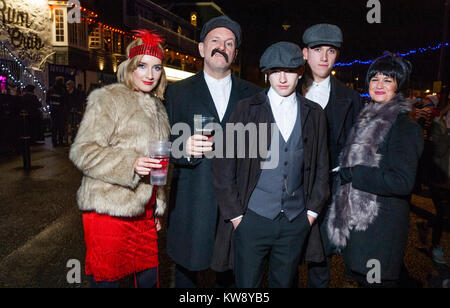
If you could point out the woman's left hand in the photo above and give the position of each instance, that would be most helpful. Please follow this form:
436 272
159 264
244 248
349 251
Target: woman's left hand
144 165
158 224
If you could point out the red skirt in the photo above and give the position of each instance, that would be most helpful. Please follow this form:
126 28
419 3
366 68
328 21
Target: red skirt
117 247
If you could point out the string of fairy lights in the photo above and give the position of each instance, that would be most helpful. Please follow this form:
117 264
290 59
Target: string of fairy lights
404 54
25 71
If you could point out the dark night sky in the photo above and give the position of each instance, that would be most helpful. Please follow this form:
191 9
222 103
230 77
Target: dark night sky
405 25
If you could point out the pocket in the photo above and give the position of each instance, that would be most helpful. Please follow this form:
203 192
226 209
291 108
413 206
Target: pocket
307 221
240 224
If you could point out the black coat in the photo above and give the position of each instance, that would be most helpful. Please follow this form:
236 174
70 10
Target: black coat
385 239
193 211
342 110
235 179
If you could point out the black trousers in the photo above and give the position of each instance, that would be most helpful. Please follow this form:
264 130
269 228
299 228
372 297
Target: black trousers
280 240
186 279
319 273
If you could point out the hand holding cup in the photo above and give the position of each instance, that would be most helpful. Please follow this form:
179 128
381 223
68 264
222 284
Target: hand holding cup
144 165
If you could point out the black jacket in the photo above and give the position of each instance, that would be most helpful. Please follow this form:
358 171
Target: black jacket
193 208
342 110
235 179
385 239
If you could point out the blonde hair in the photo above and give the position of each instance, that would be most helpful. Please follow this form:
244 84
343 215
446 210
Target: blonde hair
127 67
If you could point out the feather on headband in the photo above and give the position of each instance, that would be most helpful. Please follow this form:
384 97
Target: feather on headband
150 45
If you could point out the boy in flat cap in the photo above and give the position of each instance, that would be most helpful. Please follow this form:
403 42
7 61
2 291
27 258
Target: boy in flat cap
268 211
342 106
193 211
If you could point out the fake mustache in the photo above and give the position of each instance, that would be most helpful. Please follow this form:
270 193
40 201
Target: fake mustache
221 52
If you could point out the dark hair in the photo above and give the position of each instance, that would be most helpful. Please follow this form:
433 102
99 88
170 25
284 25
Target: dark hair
393 66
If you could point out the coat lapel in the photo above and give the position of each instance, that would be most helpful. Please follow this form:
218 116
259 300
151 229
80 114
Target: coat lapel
305 109
339 107
236 94
204 97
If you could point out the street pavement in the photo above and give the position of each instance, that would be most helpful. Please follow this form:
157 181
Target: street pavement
41 232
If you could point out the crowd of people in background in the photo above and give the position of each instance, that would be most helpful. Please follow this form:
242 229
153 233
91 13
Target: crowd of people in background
23 114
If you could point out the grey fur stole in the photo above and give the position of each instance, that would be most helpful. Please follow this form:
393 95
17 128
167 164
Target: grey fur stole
352 208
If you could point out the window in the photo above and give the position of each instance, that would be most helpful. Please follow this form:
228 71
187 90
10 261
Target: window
95 38
78 34
59 26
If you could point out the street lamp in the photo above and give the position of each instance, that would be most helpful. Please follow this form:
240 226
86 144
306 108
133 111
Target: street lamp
286 25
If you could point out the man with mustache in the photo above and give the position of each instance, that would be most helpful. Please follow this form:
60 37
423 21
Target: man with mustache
193 213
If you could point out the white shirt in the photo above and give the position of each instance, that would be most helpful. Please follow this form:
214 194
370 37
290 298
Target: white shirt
320 92
220 91
284 111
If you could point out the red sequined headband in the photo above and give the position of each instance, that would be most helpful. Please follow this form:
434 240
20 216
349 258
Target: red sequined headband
150 45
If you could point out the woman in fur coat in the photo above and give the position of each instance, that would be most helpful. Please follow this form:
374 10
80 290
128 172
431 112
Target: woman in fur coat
120 207
369 218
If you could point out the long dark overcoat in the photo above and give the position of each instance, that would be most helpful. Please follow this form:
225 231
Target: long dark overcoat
193 211
343 108
385 239
235 179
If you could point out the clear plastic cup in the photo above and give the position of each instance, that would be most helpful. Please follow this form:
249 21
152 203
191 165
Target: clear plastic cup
201 126
160 150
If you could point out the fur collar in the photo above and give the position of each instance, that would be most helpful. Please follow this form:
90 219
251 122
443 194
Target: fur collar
352 208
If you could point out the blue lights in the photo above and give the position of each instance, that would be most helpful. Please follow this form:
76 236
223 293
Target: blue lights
414 51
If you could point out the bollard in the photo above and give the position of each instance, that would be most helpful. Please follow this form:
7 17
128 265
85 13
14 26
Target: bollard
26 140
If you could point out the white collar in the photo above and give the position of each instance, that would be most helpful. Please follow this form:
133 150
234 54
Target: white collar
212 80
325 84
277 99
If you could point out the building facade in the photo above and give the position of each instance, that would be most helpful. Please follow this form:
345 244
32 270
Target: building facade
85 41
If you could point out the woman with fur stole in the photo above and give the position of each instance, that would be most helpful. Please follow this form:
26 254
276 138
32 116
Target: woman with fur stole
120 207
369 217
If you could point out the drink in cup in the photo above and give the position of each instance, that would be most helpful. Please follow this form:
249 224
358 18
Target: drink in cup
160 150
201 126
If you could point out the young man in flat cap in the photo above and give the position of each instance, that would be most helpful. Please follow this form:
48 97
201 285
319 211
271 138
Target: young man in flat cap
213 92
342 106
268 211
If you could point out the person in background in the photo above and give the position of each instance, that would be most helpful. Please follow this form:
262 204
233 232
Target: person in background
32 106
58 108
369 215
75 106
440 183
121 209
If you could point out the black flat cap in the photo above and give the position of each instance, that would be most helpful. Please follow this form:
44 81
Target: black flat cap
282 55
323 34
222 22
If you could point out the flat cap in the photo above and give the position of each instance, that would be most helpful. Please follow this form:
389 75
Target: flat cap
222 22
282 55
323 34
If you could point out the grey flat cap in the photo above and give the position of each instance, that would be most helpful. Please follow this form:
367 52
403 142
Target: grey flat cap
282 55
323 34
222 22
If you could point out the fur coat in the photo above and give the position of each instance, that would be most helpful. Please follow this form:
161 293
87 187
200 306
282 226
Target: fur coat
115 131
352 208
